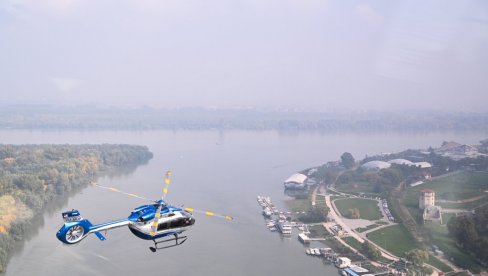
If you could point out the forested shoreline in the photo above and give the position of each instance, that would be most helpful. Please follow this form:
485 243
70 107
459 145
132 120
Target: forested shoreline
89 117
33 175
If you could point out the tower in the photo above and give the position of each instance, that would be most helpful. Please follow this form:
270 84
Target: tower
426 199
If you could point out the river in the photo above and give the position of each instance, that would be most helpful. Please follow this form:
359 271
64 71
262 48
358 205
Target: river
212 170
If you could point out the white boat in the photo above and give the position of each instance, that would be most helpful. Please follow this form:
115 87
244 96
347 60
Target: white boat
285 227
267 212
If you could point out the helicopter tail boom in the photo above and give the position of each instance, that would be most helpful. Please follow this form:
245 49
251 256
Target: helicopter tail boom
75 228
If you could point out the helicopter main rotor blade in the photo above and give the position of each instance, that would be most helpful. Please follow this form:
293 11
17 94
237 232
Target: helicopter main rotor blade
122 192
208 213
167 181
157 214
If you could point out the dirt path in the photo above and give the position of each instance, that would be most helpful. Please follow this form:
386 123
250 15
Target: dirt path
471 199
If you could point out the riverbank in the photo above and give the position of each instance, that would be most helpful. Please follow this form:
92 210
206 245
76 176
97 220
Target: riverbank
364 192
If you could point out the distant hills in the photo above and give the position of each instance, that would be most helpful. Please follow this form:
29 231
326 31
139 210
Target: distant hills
90 117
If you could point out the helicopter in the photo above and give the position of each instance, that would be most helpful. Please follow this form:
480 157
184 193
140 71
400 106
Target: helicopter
159 222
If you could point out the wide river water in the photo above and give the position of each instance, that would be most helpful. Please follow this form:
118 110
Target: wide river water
212 170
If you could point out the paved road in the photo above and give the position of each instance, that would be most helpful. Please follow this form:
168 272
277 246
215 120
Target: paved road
338 220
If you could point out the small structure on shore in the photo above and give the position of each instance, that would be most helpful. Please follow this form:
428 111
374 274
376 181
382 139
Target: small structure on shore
431 213
343 262
296 181
303 238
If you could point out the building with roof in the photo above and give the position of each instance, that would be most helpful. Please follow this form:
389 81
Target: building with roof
426 198
354 270
423 165
376 165
296 181
401 162
457 151
343 262
430 212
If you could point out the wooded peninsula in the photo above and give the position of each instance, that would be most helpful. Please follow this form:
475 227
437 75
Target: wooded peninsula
33 175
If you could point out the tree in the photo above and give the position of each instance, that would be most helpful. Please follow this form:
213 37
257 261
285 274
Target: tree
347 160
353 213
370 250
317 213
417 257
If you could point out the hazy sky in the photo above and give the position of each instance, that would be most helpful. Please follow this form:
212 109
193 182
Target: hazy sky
325 55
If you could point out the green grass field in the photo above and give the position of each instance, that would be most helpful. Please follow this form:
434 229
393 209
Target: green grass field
433 261
319 199
459 186
368 209
440 237
318 231
395 239
298 205
353 243
464 205
357 187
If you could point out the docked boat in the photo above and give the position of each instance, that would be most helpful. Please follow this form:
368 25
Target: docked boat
285 227
267 212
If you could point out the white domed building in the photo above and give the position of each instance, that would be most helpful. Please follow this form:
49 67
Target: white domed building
376 165
401 162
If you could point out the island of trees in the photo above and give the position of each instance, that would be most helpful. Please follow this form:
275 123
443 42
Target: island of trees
33 175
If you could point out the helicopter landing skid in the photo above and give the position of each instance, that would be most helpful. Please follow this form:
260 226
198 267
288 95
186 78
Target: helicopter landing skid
178 241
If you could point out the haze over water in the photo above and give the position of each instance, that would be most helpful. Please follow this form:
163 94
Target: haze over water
217 171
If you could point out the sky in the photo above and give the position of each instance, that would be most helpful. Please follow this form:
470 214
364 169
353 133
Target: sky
322 55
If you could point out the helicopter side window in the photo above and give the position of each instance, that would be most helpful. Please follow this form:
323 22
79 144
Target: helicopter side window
163 226
178 223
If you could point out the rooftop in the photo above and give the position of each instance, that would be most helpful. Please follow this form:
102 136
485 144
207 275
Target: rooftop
376 165
297 178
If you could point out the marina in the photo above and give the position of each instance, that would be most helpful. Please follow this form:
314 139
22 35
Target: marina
278 221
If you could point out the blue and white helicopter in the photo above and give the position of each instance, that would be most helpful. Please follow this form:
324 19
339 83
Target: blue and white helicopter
157 222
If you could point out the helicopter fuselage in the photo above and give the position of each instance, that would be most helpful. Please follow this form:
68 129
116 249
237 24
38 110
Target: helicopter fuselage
172 221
